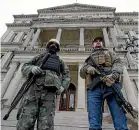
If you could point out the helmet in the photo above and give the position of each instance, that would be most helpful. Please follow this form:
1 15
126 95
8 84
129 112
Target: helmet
97 38
53 41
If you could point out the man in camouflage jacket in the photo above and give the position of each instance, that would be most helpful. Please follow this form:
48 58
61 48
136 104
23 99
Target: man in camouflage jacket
39 101
110 65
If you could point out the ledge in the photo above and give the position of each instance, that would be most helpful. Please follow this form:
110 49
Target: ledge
126 14
26 16
18 24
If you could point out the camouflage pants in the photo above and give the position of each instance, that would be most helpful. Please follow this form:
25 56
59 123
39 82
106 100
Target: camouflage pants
40 108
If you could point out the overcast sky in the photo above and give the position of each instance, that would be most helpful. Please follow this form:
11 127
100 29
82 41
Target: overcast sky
11 7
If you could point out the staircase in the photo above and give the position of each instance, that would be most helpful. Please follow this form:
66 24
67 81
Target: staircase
65 121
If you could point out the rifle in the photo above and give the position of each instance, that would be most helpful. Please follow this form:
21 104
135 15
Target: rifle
123 104
25 87
126 106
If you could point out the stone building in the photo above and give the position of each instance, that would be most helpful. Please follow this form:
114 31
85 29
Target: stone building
74 25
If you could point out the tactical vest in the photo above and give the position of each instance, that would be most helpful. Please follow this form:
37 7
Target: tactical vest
53 63
102 57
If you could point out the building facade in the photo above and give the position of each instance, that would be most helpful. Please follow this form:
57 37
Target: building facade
74 25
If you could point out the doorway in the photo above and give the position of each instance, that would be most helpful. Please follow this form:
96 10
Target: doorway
67 99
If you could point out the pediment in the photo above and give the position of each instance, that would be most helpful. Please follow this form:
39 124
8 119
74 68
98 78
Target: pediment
76 7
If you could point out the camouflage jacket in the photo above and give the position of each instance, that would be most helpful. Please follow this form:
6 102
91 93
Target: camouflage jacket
48 78
115 64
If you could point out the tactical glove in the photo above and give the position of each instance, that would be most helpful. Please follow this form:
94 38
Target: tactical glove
61 89
108 80
37 70
92 71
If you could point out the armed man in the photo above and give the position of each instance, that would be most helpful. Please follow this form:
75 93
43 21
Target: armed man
39 101
103 62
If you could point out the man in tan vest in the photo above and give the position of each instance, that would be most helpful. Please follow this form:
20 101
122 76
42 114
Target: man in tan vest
107 63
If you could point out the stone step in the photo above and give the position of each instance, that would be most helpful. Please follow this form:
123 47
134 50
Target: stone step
60 114
56 128
63 121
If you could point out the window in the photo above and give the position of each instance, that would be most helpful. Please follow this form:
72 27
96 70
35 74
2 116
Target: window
125 20
17 21
13 37
127 37
24 37
130 20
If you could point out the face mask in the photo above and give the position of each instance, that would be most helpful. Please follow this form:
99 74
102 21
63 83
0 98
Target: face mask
52 49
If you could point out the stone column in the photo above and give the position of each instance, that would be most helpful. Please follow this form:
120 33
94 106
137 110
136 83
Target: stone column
6 59
8 37
81 90
113 36
13 86
8 77
128 88
19 35
36 36
81 47
106 38
115 30
58 36
119 31
30 33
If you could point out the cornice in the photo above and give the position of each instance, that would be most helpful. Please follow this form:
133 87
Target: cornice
75 20
69 11
18 24
127 13
26 16
72 25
